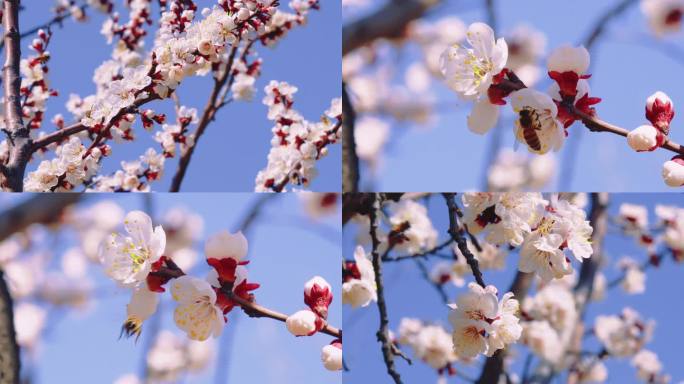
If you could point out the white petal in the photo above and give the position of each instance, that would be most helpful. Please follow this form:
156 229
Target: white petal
483 117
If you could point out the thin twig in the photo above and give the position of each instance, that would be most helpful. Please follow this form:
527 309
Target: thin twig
595 124
258 311
208 114
424 254
462 243
57 19
386 344
426 275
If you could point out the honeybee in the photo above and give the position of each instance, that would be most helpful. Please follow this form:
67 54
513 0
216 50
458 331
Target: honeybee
530 123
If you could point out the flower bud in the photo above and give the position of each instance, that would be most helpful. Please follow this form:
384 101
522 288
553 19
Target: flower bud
302 323
226 245
660 111
224 252
673 171
243 14
645 138
569 59
205 47
318 296
331 355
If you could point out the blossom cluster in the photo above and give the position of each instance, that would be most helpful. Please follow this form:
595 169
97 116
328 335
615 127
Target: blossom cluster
220 43
479 72
138 261
149 260
297 143
544 230
547 317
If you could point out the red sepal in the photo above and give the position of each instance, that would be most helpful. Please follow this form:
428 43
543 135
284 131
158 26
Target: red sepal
225 268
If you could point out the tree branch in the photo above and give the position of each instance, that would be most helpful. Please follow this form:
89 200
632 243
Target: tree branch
350 161
9 350
462 243
387 22
386 344
19 139
41 209
210 109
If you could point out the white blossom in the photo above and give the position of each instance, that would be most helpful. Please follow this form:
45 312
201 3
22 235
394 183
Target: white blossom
420 235
359 289
197 313
623 335
470 71
482 324
128 259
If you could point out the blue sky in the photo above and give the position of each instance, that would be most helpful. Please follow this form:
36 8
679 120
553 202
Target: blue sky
285 248
235 146
628 66
409 295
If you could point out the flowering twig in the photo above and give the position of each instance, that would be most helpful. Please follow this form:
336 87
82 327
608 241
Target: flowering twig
252 309
389 350
350 161
595 124
297 167
256 310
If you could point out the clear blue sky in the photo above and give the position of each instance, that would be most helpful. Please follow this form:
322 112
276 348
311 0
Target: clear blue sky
235 146
625 72
285 248
409 295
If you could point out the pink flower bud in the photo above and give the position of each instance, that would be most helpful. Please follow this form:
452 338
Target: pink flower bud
660 111
645 138
673 171
318 296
